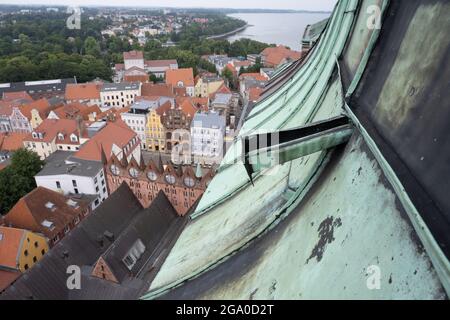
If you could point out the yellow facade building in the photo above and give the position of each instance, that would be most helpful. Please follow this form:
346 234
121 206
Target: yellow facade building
20 249
155 134
207 85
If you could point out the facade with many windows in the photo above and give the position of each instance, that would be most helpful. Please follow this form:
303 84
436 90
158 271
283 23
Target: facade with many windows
119 95
181 185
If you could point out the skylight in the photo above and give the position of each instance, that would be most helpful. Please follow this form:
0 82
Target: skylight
49 205
47 224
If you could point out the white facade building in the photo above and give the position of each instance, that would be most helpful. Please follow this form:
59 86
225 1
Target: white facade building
137 117
207 137
68 175
133 59
119 95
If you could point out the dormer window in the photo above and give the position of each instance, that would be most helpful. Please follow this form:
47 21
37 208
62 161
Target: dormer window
73 138
34 135
60 136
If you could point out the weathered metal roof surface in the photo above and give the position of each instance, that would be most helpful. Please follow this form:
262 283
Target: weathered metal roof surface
310 228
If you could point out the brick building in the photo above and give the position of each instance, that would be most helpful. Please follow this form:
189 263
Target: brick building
182 186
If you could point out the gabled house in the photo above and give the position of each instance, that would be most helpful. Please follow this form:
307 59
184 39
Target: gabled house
85 93
181 185
119 249
182 78
48 213
56 134
19 250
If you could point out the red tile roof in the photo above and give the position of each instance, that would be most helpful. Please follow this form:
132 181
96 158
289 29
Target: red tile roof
119 66
133 55
7 278
164 108
52 127
254 94
36 207
19 95
188 108
186 76
223 89
256 76
41 105
245 63
117 133
159 63
83 91
11 141
201 103
276 55
10 244
160 89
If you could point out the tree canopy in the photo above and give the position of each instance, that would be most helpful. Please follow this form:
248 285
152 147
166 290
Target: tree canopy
17 179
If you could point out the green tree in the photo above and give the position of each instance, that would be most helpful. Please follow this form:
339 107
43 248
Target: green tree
17 179
91 47
228 75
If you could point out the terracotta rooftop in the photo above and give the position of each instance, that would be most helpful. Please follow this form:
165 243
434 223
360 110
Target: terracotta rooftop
72 110
119 66
7 277
10 244
50 128
255 93
19 95
133 55
45 211
41 105
161 89
188 108
117 133
83 91
164 108
159 63
276 55
11 141
186 76
256 76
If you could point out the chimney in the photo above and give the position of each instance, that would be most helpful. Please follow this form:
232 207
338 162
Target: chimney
80 126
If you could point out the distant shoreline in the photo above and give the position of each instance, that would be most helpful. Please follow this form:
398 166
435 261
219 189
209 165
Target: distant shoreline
227 34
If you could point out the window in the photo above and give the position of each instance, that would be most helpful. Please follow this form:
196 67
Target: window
74 183
115 170
36 244
43 251
25 253
34 259
25 266
170 179
189 182
66 230
134 172
58 185
134 254
76 191
152 175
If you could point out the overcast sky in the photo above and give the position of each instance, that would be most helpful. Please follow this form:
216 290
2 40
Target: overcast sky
326 5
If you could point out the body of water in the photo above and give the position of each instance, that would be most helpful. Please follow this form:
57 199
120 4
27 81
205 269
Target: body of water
279 28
